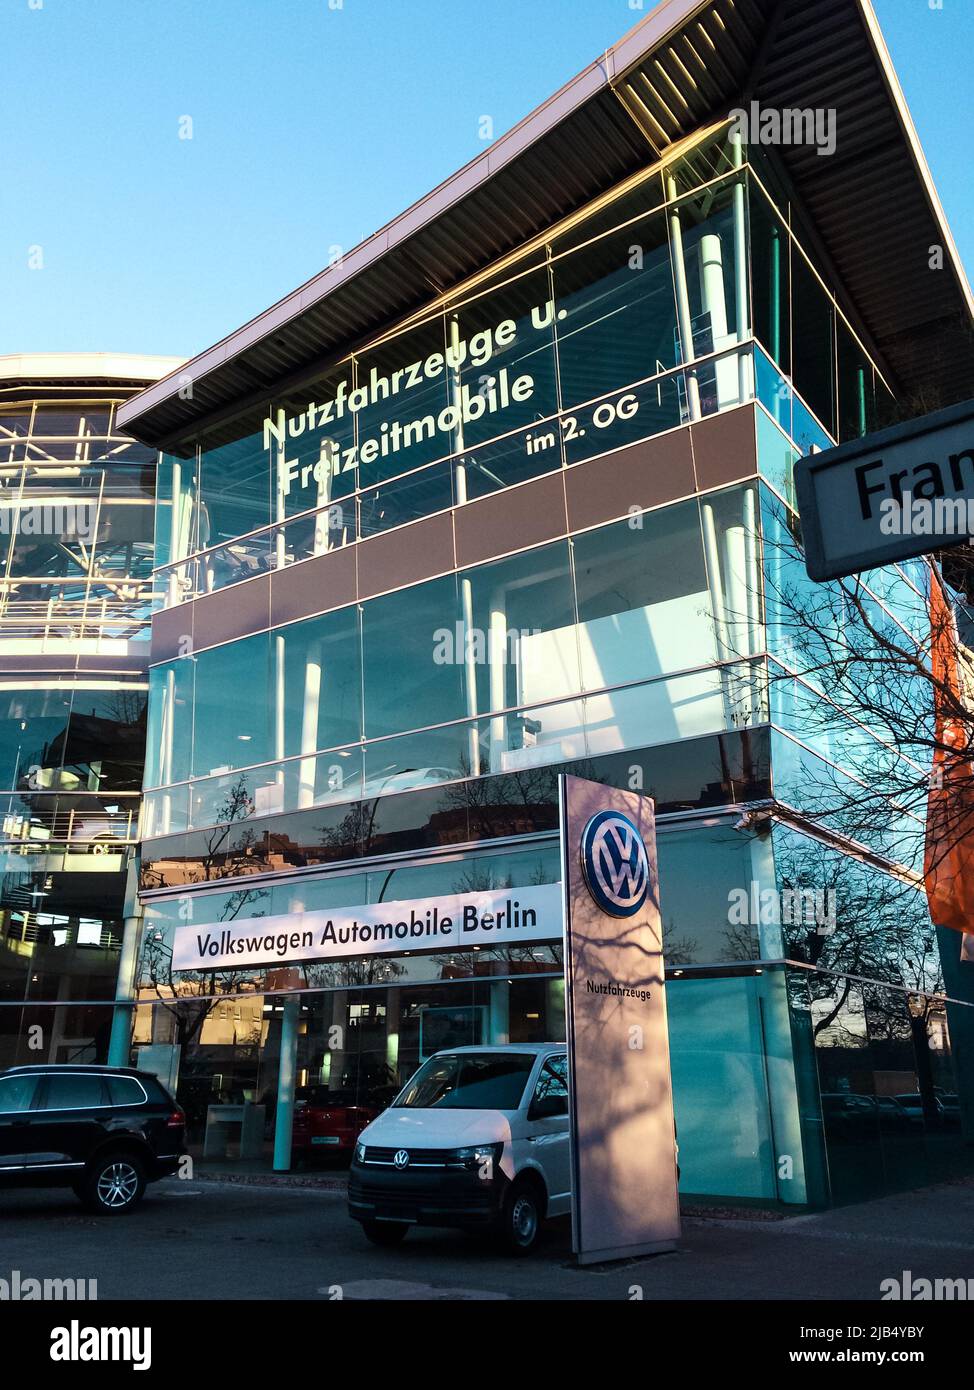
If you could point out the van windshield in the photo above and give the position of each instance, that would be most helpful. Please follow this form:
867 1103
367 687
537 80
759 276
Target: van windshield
469 1081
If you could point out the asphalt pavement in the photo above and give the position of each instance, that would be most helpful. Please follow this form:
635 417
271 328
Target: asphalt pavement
207 1239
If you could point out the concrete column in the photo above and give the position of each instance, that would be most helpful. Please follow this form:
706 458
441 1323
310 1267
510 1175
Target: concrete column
715 585
715 304
284 1117
770 937
120 1043
309 725
500 1012
166 733
498 656
392 1029
334 1059
470 675
792 1184
320 543
737 618
555 1003
58 1019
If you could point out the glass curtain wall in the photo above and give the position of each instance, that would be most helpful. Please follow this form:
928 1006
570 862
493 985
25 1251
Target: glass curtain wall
685 294
647 630
76 549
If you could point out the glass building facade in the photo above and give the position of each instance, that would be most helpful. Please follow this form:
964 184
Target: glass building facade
76 545
540 527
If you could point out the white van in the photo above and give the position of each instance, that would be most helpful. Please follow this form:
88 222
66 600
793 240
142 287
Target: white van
478 1138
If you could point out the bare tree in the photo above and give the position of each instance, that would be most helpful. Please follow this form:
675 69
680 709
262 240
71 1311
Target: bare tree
860 668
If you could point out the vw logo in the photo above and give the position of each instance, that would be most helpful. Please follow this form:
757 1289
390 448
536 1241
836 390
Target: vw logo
615 863
401 1158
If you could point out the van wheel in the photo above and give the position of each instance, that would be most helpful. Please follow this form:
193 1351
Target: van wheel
521 1218
113 1184
385 1232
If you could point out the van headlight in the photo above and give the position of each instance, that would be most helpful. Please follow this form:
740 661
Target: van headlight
360 1152
478 1158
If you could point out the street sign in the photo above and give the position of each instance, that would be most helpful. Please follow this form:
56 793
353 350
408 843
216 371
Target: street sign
897 493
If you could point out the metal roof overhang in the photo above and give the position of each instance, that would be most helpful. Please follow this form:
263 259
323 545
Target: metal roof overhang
872 202
24 371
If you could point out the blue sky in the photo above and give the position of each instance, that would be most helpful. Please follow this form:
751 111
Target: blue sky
312 127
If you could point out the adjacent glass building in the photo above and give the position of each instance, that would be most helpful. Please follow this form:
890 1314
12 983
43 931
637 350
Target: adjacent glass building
509 492
76 543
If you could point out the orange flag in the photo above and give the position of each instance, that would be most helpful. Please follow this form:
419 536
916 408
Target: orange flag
948 868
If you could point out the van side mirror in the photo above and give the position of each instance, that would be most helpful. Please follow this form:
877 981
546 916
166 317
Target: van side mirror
548 1107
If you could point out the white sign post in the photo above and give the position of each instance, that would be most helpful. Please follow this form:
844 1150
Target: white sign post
624 1183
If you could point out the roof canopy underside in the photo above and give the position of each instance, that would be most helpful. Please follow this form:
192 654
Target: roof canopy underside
70 372
686 63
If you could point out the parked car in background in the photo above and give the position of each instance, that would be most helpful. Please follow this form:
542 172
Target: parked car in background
893 1119
103 1131
943 1111
477 1139
849 1115
949 1102
327 1123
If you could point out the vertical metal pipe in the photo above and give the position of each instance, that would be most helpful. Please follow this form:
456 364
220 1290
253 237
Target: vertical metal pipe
322 535
682 300
740 268
466 589
175 527
280 550
774 272
280 672
861 390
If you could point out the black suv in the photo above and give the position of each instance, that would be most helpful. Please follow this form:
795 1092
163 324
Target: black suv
103 1131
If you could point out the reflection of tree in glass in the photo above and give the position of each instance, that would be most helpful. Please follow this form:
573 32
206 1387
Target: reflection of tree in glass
678 950
856 677
156 970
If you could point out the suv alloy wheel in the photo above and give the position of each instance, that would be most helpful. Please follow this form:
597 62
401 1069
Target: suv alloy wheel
113 1184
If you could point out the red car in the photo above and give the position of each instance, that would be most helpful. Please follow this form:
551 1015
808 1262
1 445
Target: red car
327 1123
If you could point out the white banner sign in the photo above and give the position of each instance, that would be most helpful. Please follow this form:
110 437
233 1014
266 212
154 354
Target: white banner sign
502 917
